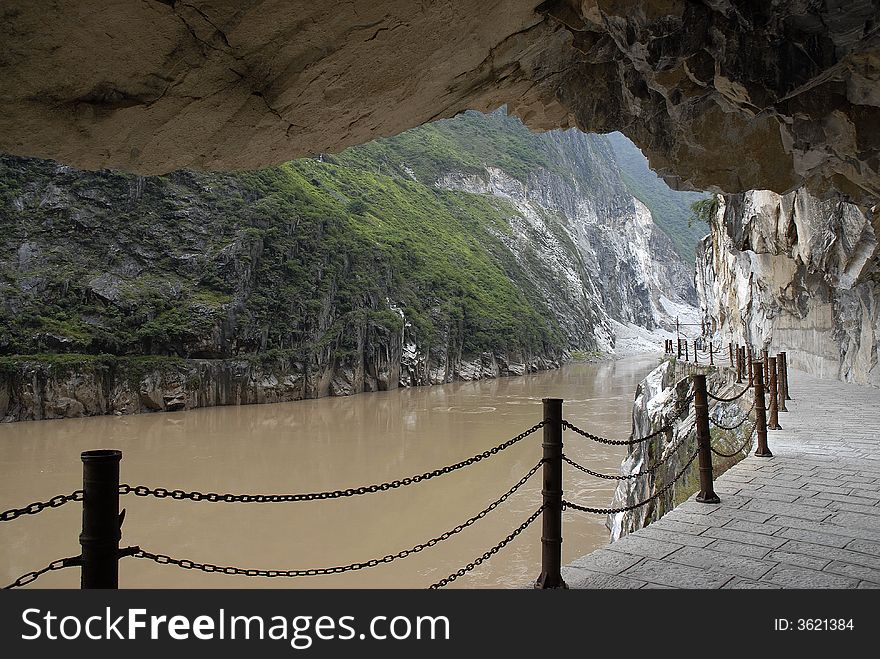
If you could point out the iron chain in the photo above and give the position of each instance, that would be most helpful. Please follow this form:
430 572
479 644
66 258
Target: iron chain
208 567
738 424
672 451
213 497
740 449
40 506
30 577
490 553
629 442
721 399
613 511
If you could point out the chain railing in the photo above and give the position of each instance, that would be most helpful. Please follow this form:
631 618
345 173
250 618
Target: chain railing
101 493
638 440
659 493
213 497
312 572
622 477
39 506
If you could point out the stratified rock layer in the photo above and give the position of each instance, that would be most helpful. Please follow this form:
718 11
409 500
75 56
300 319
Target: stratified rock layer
790 87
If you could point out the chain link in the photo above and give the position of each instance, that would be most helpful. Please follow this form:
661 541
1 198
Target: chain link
739 423
40 506
612 511
490 553
213 497
30 577
672 451
629 442
186 564
721 399
740 449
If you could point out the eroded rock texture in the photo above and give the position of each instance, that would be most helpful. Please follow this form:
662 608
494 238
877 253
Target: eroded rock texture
790 87
797 274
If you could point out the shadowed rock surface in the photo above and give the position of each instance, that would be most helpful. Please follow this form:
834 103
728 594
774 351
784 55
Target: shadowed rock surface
149 87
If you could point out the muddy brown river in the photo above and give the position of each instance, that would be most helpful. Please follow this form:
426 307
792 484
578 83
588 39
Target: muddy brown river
326 444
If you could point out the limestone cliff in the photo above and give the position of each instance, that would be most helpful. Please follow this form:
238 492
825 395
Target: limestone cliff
797 274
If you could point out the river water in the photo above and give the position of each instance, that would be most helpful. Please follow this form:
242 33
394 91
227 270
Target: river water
326 444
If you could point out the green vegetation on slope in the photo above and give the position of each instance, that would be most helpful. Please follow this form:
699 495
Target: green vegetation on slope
468 143
306 258
670 209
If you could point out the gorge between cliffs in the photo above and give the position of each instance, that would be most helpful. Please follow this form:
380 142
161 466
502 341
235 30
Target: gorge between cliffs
465 249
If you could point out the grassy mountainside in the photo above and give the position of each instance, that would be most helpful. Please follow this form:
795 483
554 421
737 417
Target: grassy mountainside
297 258
670 208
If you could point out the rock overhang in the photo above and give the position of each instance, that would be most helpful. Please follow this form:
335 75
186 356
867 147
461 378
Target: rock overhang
720 95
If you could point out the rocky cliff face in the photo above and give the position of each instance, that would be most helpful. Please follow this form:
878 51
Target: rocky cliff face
797 274
467 249
789 86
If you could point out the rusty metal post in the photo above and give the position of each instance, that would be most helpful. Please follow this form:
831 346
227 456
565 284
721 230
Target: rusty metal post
730 352
773 422
711 355
762 450
100 520
679 347
785 374
686 355
751 371
739 366
701 411
696 354
551 535
765 354
780 383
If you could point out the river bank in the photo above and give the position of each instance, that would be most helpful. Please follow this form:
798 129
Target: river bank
73 386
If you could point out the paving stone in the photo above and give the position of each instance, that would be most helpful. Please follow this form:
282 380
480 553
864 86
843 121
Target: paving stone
812 562
815 537
607 561
744 584
854 519
792 576
814 501
668 524
715 561
587 579
745 537
847 498
856 571
660 533
864 546
738 548
647 547
705 520
727 488
854 508
752 527
667 573
790 491
826 527
868 584
833 553
791 510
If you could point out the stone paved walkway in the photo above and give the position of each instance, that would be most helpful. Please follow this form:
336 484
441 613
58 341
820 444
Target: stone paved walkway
807 518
